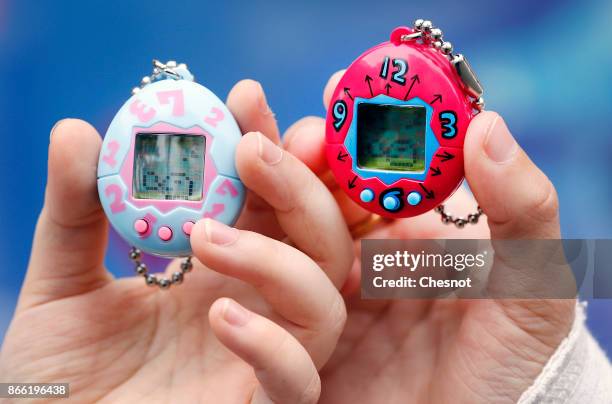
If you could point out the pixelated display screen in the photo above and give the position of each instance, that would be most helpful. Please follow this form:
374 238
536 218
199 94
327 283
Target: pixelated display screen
391 137
168 166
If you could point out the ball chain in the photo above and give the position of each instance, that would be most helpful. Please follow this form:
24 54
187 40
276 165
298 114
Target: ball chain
459 222
151 279
425 30
167 69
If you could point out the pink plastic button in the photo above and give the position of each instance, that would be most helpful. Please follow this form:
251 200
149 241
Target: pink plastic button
165 233
187 226
141 226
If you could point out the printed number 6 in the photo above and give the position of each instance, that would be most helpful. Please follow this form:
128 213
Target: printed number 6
339 111
448 119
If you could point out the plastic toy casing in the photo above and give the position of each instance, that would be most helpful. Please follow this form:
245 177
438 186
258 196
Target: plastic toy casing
396 73
163 227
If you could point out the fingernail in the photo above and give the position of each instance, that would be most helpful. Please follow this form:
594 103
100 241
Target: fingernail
263 103
57 124
500 145
219 233
234 314
268 151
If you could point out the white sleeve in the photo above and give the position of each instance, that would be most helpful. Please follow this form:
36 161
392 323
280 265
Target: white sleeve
578 372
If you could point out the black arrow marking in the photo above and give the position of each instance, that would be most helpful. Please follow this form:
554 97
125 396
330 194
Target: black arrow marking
388 87
415 79
351 183
445 156
435 170
348 94
369 79
437 97
341 156
428 194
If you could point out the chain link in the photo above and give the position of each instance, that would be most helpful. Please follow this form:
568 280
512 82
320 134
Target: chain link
161 71
459 222
425 31
152 280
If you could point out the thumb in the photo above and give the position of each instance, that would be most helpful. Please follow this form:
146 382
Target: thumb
519 200
70 239
520 203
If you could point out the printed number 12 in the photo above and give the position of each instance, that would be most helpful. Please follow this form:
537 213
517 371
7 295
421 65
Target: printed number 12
399 74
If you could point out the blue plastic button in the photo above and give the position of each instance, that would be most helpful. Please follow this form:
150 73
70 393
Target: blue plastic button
414 198
367 195
391 203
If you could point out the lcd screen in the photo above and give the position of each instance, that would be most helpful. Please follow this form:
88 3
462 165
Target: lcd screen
391 137
168 166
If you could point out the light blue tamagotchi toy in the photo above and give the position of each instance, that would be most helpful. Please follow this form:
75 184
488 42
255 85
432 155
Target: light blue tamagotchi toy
168 160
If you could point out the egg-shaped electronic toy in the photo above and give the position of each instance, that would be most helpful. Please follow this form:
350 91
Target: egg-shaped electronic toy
167 160
397 121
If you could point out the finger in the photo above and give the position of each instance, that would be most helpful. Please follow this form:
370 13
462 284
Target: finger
520 203
282 366
247 102
304 207
70 238
306 140
331 86
518 199
290 281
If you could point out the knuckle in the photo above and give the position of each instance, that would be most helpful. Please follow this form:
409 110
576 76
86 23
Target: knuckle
307 187
312 391
546 206
299 191
337 316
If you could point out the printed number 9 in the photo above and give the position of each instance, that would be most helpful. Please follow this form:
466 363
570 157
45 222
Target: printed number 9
339 112
448 119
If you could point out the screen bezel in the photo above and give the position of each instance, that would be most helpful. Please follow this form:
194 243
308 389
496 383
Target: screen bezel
156 200
358 140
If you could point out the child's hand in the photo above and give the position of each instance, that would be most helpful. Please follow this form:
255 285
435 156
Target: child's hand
446 351
254 325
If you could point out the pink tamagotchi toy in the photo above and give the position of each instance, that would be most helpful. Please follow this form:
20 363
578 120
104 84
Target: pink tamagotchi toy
397 121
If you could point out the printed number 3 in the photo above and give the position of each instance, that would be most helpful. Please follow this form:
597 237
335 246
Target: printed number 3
142 111
448 120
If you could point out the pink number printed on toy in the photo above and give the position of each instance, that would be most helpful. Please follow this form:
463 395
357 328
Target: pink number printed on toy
117 205
216 116
217 209
178 105
225 187
113 148
142 111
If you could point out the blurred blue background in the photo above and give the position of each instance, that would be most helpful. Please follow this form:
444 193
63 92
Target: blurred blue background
544 64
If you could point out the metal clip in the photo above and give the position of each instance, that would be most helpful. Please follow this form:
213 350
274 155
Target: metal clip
161 71
468 77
